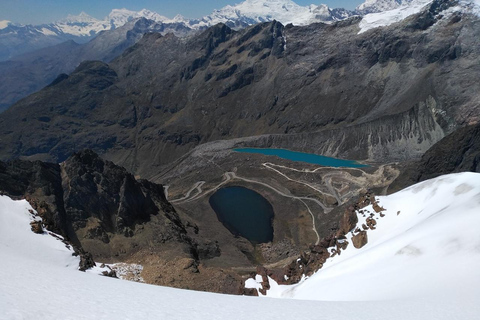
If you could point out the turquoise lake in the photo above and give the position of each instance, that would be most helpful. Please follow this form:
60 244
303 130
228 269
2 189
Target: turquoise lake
303 157
244 212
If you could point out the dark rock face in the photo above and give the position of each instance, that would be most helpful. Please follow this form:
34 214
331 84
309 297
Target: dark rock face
119 202
457 152
86 260
385 94
86 197
348 222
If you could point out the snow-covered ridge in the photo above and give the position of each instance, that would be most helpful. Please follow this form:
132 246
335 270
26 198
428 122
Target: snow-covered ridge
245 13
425 243
372 6
398 12
18 242
376 13
383 13
285 11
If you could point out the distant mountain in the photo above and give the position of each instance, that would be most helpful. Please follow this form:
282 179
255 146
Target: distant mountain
18 39
285 11
32 71
373 6
27 74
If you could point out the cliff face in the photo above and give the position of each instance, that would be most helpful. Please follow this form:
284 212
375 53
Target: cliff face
386 94
457 152
87 199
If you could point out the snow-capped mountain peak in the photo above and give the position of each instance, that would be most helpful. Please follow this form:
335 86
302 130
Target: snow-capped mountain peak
256 11
81 18
370 6
381 13
4 24
118 17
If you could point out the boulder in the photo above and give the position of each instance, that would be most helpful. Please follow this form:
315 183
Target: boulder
360 239
36 227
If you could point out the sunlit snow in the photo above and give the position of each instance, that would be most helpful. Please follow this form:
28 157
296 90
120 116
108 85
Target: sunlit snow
426 245
386 18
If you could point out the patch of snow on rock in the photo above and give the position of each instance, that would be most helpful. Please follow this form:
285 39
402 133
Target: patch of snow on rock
386 18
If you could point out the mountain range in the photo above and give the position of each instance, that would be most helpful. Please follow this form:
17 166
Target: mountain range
143 108
32 71
17 39
29 72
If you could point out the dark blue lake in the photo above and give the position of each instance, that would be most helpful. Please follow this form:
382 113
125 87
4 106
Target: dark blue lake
303 157
244 213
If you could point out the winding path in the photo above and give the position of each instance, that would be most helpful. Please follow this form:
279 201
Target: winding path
232 175
327 179
197 186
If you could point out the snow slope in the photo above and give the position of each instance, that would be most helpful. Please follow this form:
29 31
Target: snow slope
387 17
372 6
39 280
430 249
385 12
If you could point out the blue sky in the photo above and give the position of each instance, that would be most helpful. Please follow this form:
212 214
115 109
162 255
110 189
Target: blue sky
44 11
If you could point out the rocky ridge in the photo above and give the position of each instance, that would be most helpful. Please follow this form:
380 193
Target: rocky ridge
30 72
457 152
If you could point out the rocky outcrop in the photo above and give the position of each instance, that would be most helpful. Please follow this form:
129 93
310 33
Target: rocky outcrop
87 199
330 246
348 222
36 227
107 215
360 239
457 152
86 260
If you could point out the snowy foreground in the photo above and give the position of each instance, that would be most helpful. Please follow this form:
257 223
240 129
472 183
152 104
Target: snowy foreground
421 264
